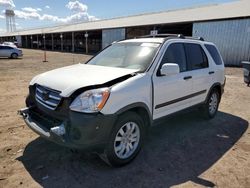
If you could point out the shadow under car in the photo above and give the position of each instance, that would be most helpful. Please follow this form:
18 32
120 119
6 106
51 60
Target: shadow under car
177 150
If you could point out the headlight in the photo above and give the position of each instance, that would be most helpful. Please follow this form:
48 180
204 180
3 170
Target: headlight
91 101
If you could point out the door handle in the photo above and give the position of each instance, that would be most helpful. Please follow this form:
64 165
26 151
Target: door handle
211 72
187 77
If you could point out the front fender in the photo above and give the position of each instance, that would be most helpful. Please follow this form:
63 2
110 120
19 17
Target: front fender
133 92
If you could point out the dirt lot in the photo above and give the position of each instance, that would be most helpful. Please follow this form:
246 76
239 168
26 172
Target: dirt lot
183 151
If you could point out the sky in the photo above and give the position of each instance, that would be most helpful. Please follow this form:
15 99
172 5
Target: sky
43 13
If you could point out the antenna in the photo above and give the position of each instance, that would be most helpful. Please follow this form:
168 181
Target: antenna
10 20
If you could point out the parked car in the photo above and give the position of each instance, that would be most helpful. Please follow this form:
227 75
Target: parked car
10 52
12 44
246 72
107 104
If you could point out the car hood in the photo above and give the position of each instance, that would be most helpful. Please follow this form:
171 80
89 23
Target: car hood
69 79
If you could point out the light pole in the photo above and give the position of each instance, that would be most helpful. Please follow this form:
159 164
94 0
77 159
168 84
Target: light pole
44 44
73 42
37 42
26 41
31 41
52 41
44 49
61 36
86 35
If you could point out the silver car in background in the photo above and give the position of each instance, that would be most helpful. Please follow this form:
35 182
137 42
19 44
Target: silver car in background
12 44
10 52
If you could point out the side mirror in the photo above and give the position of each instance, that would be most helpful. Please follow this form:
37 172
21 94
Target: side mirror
169 69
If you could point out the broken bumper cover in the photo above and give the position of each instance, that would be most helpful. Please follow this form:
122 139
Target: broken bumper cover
79 131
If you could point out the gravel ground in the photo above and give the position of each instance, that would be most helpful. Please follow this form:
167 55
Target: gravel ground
183 151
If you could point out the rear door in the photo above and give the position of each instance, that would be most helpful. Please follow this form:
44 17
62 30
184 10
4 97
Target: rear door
199 68
171 92
1 51
5 51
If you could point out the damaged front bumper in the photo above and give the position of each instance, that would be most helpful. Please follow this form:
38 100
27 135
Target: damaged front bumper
78 131
55 133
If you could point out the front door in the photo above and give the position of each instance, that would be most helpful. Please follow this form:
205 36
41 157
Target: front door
172 92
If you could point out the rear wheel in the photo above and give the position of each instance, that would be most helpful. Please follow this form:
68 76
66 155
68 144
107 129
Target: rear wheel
125 141
14 56
212 104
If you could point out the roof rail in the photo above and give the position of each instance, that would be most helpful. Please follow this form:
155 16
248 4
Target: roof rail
172 35
162 36
195 38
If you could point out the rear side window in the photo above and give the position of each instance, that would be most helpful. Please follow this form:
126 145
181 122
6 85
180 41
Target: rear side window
214 53
196 56
5 47
175 53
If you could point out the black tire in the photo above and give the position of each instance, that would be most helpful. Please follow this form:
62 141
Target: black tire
209 111
109 155
14 56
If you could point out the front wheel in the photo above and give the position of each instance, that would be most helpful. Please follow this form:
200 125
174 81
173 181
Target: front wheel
125 141
14 56
212 104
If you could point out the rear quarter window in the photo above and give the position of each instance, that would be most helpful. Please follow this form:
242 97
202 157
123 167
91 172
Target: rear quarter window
214 54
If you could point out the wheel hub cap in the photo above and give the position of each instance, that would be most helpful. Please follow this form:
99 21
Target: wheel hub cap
213 103
126 140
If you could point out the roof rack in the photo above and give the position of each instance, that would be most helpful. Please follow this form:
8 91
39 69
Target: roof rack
172 35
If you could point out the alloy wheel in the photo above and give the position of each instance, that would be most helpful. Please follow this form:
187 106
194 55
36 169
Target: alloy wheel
127 140
213 103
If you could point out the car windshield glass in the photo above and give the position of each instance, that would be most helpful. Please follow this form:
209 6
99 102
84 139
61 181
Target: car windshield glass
128 55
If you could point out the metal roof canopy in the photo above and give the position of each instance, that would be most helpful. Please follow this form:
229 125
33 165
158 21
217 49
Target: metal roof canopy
235 9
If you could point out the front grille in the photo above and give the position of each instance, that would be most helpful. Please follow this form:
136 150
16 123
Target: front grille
48 97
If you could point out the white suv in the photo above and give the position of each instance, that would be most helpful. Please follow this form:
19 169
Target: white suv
107 104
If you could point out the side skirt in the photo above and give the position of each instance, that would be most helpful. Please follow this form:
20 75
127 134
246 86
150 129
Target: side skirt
188 109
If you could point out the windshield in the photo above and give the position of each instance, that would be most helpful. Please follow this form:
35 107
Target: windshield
128 55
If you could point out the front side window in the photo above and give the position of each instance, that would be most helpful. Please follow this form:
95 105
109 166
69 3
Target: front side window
196 56
6 47
175 53
130 55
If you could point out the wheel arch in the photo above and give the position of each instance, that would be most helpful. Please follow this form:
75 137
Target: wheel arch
11 55
216 86
141 109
